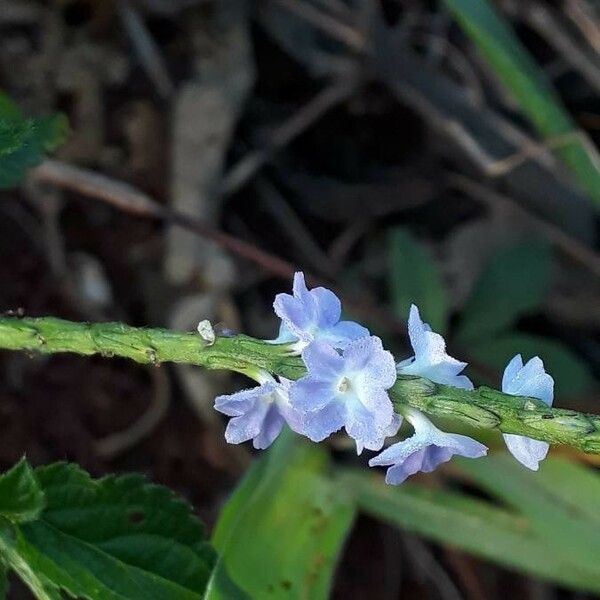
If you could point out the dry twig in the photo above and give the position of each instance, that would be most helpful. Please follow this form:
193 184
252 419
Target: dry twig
311 112
131 200
274 202
579 12
146 48
543 21
342 32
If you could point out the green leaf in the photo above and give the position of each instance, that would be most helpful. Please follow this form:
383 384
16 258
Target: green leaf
514 283
281 532
25 142
554 514
41 588
479 527
576 486
8 109
21 498
114 538
414 278
515 68
4 585
571 375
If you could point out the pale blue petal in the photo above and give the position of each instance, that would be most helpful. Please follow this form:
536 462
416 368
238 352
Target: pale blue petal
431 360
292 417
329 307
425 450
527 451
445 372
258 413
376 402
433 456
285 336
463 445
309 394
527 380
315 314
299 288
462 382
247 426
342 333
294 314
299 312
427 457
320 424
270 428
401 366
399 452
373 444
376 365
429 434
400 472
322 361
417 330
234 405
369 427
511 371
530 380
394 425
389 431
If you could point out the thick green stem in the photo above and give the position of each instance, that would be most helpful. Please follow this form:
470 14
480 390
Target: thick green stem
482 408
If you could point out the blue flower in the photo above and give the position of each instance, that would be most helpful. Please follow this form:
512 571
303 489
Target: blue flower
430 359
310 315
425 450
258 413
533 381
347 390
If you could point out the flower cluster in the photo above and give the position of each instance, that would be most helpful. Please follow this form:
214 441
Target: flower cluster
347 386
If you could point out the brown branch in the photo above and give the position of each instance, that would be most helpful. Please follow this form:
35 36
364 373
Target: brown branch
581 16
534 150
544 21
347 34
131 200
306 116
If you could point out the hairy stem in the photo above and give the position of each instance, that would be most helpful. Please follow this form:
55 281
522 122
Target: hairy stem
482 408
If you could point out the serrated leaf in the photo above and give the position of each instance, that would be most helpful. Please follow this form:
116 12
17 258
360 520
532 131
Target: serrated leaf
571 375
21 497
513 284
280 534
114 538
41 588
479 527
414 278
25 142
519 73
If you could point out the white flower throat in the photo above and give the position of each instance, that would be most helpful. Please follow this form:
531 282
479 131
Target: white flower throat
344 385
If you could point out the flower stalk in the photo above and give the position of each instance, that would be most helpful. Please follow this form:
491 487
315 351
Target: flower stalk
482 408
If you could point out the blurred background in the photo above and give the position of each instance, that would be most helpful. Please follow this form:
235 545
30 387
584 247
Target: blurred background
397 151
